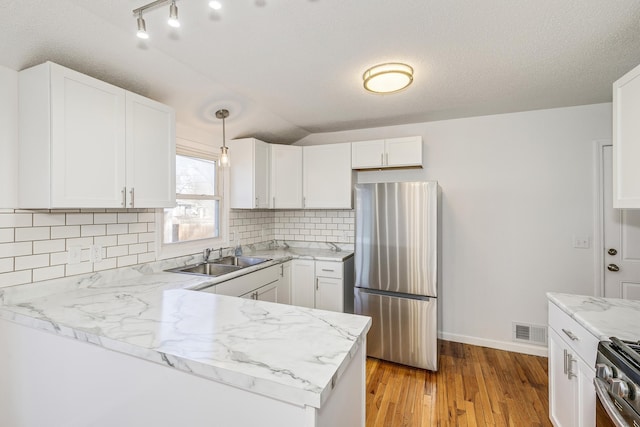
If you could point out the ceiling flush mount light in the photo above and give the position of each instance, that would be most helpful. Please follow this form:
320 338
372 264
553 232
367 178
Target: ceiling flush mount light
388 78
173 15
142 27
224 150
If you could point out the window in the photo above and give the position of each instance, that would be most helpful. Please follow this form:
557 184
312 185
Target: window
197 212
197 221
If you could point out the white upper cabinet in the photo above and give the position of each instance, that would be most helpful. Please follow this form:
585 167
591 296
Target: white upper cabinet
387 153
87 144
327 176
626 140
249 174
151 153
286 176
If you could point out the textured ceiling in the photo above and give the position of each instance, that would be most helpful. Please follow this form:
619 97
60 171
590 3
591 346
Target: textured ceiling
288 68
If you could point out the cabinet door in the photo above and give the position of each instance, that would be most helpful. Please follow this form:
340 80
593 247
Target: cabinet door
268 292
403 151
329 294
303 283
562 390
585 392
367 154
327 176
87 141
261 176
284 284
286 176
151 153
626 140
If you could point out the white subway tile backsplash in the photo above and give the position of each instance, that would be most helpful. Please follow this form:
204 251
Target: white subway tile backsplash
124 261
146 217
138 248
16 220
105 264
105 240
6 264
127 217
65 232
116 251
138 227
93 230
58 258
81 242
117 228
15 278
146 257
105 218
15 249
127 239
82 268
49 219
7 235
48 246
79 218
32 233
48 273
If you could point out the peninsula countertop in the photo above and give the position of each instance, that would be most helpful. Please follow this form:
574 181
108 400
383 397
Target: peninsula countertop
290 353
603 317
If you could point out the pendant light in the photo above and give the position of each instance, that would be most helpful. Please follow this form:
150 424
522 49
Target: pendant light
142 27
173 15
224 150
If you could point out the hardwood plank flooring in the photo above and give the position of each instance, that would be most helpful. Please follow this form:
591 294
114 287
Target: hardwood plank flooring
474 386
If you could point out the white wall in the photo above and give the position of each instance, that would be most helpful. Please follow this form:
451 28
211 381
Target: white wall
8 137
516 188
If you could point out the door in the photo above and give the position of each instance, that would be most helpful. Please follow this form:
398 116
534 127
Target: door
88 141
403 330
151 153
396 237
329 293
286 176
621 252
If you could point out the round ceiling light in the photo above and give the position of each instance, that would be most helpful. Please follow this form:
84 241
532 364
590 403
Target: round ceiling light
388 78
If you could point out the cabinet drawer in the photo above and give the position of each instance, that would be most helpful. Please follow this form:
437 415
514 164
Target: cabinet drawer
575 335
329 269
249 282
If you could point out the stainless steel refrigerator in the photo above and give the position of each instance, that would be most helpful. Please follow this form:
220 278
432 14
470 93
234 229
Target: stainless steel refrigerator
396 264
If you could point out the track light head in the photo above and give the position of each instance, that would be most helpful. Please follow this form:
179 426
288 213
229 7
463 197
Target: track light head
142 28
173 15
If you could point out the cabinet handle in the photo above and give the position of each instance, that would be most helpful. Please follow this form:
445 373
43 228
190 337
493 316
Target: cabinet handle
256 202
381 159
124 197
570 335
281 270
570 360
304 202
326 269
564 371
132 195
317 286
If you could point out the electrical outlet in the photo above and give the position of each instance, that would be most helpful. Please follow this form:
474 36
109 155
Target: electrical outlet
581 242
95 253
74 255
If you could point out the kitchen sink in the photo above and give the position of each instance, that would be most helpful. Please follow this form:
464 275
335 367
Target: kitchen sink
220 266
240 261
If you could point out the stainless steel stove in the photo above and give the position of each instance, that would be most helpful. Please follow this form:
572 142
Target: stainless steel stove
617 381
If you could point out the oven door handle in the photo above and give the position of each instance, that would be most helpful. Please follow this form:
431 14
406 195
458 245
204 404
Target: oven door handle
607 403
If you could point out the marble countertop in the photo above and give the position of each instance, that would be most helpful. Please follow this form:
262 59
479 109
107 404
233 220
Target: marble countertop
290 353
603 317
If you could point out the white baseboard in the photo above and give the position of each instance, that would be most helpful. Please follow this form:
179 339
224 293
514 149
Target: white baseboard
534 350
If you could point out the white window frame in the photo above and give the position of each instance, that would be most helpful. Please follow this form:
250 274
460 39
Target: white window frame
185 147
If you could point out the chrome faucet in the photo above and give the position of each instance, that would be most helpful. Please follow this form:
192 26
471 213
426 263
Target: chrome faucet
334 246
205 254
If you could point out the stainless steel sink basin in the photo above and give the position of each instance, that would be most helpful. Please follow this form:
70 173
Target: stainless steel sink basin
207 269
220 266
240 261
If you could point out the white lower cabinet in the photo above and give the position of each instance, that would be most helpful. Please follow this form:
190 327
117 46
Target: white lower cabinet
572 353
318 284
269 284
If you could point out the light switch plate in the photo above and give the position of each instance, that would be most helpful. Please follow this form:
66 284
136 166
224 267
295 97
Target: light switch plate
581 242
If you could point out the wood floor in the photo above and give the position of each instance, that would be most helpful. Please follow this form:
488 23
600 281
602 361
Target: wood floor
474 386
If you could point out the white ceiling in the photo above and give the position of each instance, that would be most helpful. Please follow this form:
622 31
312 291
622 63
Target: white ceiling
288 68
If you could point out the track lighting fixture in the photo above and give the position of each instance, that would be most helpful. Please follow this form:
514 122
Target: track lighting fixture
142 27
173 15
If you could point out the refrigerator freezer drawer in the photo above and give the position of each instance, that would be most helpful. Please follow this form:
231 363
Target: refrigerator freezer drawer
403 330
